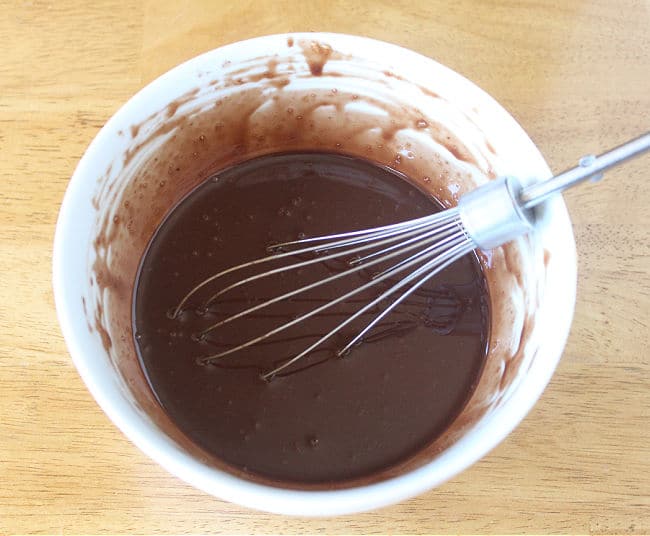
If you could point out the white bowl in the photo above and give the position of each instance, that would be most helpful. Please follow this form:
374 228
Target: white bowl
532 282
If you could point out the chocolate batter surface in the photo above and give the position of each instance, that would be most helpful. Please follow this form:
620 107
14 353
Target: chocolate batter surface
324 419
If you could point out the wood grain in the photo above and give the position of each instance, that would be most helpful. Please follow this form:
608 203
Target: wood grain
575 74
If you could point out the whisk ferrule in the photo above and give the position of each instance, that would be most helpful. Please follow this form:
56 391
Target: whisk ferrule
492 214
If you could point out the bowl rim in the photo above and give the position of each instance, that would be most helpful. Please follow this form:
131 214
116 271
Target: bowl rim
259 496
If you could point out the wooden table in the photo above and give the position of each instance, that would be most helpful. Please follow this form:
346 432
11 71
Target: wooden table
576 75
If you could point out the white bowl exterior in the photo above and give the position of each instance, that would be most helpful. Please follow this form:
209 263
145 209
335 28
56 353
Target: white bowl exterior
75 225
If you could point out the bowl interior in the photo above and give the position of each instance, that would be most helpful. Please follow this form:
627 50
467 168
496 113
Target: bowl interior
287 93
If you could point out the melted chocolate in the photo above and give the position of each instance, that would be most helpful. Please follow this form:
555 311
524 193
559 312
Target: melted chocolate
324 419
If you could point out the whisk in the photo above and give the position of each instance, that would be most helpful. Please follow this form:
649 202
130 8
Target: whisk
484 218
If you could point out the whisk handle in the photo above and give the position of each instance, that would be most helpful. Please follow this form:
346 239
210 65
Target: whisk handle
589 167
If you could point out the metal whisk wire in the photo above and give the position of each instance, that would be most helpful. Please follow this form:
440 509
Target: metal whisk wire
427 271
447 237
391 233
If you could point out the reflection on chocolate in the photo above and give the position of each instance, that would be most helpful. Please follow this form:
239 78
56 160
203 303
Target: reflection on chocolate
327 419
